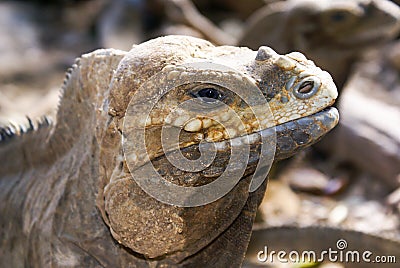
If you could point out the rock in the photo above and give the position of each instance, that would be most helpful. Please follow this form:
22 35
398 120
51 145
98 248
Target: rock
311 180
272 210
369 130
338 214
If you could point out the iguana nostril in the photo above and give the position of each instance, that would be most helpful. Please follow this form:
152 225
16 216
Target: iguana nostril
306 87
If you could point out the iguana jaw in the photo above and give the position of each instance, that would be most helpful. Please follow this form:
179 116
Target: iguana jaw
367 38
296 135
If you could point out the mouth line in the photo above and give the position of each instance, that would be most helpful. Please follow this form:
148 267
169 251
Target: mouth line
289 137
365 39
329 111
316 125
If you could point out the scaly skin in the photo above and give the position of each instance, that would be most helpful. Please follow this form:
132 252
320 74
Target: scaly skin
68 197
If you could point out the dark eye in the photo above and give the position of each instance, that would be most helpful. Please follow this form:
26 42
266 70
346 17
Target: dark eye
209 94
338 16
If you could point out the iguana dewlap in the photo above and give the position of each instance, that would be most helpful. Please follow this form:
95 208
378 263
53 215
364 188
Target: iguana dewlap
68 196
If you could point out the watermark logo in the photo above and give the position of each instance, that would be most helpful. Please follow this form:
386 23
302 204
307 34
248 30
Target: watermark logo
341 244
340 254
152 105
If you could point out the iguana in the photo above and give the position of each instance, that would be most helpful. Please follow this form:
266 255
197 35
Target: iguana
69 190
332 33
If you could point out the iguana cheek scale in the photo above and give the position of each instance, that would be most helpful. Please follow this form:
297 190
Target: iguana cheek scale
68 191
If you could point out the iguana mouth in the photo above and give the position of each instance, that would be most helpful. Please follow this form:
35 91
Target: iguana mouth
297 134
283 141
368 38
293 135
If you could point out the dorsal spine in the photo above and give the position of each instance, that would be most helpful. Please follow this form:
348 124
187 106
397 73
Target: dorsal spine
13 131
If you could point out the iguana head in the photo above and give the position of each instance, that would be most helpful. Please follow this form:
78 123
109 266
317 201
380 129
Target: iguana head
333 33
342 24
175 100
328 25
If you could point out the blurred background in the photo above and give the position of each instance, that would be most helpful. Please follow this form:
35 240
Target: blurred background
350 179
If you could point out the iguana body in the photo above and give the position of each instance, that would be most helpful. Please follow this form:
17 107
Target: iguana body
68 197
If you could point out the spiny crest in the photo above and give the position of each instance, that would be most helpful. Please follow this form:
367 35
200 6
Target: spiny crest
66 79
13 130
69 72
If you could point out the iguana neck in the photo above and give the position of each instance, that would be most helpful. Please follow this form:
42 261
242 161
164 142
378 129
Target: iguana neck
85 93
51 168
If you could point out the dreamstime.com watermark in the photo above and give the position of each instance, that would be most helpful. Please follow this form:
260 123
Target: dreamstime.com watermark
340 254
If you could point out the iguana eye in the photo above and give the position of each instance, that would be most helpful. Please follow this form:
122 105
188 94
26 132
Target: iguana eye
211 93
208 94
338 16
